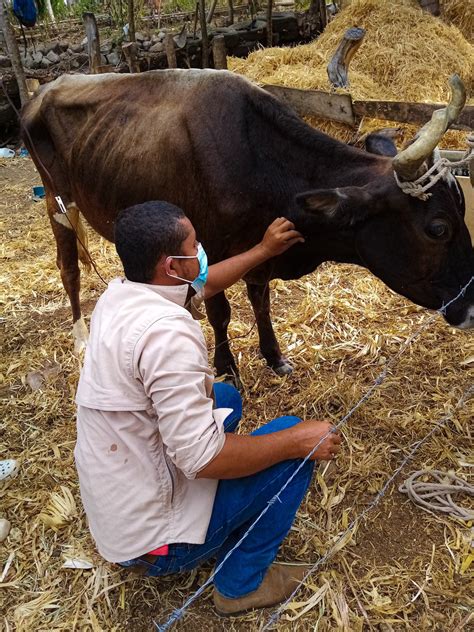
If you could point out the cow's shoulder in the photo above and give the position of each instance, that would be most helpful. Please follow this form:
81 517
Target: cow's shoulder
67 90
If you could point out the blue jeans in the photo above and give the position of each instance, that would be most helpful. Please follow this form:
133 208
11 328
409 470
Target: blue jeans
237 503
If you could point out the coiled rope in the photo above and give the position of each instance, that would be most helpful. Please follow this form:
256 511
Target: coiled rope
437 496
347 534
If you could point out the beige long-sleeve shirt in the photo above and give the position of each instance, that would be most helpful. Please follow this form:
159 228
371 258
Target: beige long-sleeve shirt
145 422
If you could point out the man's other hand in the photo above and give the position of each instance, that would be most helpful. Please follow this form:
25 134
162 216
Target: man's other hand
243 455
309 433
280 236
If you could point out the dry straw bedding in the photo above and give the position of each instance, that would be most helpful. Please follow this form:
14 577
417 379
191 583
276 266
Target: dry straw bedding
407 55
403 570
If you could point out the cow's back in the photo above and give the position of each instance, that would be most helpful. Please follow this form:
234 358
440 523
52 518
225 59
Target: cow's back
111 140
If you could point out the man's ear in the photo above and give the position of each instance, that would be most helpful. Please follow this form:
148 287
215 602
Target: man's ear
168 266
342 206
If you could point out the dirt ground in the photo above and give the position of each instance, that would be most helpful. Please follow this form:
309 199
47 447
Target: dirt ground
403 569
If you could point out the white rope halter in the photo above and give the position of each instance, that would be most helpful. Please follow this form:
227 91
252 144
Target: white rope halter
418 188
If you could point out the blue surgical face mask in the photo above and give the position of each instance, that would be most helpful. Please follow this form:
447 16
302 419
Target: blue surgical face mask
200 281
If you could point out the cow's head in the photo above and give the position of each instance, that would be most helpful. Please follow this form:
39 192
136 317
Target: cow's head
419 246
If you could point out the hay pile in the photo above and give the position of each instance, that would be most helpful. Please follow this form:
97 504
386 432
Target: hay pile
405 569
461 14
407 55
457 12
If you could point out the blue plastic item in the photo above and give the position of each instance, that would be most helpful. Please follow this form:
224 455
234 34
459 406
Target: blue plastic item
26 12
38 193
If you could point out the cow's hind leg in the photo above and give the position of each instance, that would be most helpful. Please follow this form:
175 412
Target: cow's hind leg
259 296
218 313
67 262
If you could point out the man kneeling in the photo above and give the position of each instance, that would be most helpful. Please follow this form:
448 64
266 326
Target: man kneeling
165 482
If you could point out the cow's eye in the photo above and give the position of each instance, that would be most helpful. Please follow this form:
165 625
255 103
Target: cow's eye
438 229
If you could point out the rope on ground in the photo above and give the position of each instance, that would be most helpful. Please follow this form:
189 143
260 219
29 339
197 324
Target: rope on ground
177 614
345 536
437 496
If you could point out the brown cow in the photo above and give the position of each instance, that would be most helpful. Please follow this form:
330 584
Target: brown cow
233 157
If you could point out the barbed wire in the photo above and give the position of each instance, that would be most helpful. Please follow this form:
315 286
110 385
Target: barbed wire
468 393
179 612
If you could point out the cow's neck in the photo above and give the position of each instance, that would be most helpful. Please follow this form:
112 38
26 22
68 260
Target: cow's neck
305 160
318 161
283 145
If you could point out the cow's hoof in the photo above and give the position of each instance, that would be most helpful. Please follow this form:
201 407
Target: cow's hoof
283 368
81 336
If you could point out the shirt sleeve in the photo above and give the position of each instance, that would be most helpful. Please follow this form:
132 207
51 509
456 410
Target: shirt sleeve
171 361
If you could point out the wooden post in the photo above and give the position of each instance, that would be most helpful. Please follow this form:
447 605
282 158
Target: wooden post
231 12
13 51
93 42
49 10
211 11
338 67
130 50
196 17
252 8
158 10
170 51
269 23
131 21
204 38
322 14
219 52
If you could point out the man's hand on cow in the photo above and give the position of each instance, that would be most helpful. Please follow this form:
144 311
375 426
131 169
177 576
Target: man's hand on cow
280 236
309 433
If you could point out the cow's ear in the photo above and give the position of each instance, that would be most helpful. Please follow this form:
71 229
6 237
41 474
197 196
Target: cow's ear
342 206
381 145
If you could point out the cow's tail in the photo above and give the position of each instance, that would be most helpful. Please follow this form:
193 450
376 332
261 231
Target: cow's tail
82 240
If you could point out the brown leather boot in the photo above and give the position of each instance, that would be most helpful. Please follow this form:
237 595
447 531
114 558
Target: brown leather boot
279 582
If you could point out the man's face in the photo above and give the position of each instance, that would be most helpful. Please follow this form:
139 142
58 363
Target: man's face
186 268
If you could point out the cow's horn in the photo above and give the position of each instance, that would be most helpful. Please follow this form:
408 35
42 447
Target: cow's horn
409 160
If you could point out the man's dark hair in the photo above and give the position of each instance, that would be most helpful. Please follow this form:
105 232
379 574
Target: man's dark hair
145 232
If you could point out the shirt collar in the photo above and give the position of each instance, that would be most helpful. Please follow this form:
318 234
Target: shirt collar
175 293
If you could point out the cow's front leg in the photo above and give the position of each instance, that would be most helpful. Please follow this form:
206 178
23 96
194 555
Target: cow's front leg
218 312
259 296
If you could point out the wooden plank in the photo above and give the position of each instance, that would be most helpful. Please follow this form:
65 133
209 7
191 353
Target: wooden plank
336 107
340 107
416 113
